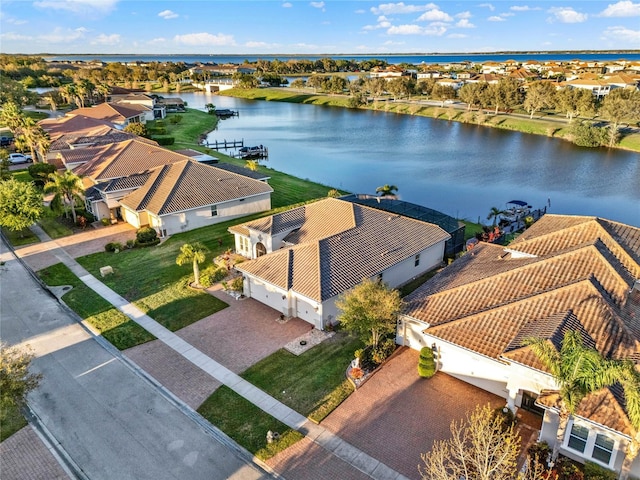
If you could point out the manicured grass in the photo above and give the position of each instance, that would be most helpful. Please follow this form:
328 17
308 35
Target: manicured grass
11 420
23 237
291 96
470 229
246 423
150 278
409 287
114 326
189 130
312 384
22 176
51 224
631 142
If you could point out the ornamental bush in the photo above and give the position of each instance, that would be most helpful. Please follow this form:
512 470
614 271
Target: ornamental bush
113 247
426 363
593 471
146 235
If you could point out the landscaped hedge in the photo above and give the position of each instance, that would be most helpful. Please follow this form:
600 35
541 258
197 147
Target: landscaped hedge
426 363
164 140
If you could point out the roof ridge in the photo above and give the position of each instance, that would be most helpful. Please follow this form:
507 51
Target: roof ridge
184 167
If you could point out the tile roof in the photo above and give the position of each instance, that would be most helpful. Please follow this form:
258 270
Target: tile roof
336 245
93 139
577 276
121 159
242 171
111 112
186 185
73 124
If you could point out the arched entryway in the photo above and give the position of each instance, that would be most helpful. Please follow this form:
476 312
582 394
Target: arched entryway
260 249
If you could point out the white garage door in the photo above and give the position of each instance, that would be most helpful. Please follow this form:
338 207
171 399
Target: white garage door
271 298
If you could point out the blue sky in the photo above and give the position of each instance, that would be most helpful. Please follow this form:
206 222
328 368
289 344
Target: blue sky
303 27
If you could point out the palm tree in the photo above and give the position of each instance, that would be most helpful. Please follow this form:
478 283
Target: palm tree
195 253
578 371
387 190
67 188
252 165
494 213
70 94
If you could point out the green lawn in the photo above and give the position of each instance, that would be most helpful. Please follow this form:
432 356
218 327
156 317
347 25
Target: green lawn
285 95
22 176
23 237
116 327
11 420
312 384
188 131
50 223
246 423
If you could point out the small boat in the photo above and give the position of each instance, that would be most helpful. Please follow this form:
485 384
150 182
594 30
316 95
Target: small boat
259 151
225 113
516 209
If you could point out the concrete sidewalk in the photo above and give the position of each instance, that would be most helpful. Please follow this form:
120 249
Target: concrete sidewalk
315 433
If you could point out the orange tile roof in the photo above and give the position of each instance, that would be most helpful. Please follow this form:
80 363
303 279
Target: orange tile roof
187 184
338 244
111 112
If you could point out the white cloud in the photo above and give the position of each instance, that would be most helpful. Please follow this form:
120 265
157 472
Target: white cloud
360 11
391 8
15 21
487 5
566 15
466 14
263 45
204 39
60 35
435 15
431 30
621 9
80 7
391 42
287 5
157 41
11 36
496 18
623 34
457 35
168 14
464 23
102 39
317 4
383 22
523 8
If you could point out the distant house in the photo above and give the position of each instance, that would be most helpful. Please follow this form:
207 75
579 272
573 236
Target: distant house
185 195
304 258
157 109
563 273
116 113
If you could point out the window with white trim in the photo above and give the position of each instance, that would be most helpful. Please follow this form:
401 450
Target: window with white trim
578 438
214 210
602 449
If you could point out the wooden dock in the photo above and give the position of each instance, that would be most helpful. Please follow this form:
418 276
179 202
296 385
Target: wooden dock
226 113
224 144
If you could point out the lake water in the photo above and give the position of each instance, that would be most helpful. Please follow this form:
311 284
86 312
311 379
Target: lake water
462 170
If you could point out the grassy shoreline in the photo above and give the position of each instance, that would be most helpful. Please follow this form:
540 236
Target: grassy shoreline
551 125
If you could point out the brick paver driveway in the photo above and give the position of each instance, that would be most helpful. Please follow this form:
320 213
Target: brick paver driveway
396 415
237 337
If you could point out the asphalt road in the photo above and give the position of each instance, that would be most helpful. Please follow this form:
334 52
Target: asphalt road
111 421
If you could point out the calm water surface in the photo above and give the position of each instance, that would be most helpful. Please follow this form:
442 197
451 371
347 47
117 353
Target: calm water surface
462 170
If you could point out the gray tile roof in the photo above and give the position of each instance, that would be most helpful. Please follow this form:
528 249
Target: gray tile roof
338 244
242 171
187 185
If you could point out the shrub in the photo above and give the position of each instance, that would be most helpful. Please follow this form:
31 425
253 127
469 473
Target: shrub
113 247
146 235
157 131
538 453
567 470
105 221
40 173
584 134
506 415
212 275
359 353
384 349
593 471
81 221
131 243
237 284
426 363
147 244
164 140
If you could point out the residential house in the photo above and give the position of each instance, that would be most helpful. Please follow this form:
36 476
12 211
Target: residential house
157 110
116 113
304 258
488 78
184 195
599 88
563 273
450 82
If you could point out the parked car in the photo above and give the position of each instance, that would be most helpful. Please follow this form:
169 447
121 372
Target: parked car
5 141
20 158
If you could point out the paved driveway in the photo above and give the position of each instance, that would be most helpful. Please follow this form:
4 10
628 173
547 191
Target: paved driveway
237 337
396 415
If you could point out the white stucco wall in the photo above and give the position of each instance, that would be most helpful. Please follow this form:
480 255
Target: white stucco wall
201 217
406 270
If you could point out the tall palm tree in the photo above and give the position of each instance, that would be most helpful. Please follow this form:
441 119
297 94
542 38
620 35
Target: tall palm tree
386 190
192 253
67 188
494 213
578 371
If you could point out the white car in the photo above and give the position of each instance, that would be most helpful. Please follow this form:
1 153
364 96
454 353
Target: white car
20 158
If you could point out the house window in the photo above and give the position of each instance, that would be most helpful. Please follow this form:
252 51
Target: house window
578 438
214 210
602 449
416 260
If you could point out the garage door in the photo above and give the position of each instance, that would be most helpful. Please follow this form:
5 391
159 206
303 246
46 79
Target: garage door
270 298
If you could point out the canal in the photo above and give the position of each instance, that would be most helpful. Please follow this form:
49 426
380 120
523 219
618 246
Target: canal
460 169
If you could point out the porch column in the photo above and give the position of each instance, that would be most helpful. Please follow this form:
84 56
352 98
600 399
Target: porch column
511 398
